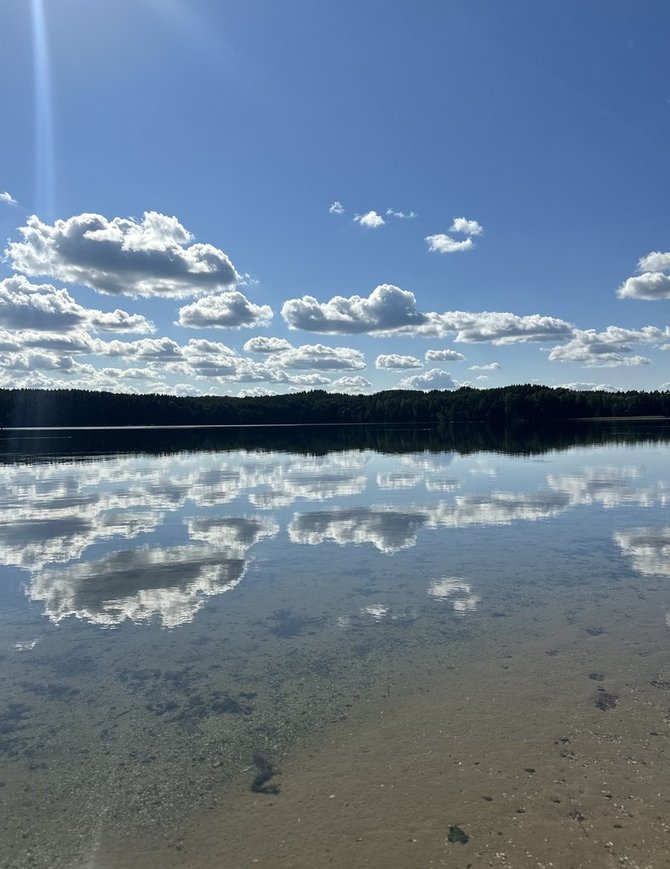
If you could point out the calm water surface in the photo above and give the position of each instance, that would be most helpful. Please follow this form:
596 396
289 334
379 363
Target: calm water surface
177 628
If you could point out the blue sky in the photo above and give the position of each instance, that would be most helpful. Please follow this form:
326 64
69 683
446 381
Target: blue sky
169 169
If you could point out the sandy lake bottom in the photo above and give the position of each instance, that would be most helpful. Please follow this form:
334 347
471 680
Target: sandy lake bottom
355 659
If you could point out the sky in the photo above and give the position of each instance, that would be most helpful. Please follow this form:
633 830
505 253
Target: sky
246 197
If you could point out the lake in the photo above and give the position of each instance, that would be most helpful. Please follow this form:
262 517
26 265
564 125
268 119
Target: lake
362 647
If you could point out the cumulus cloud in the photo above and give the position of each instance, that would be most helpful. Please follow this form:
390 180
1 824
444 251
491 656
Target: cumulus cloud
649 285
466 227
262 344
353 384
229 310
443 356
609 348
395 362
7 198
318 356
336 208
390 310
492 366
401 215
155 256
656 261
443 243
433 379
41 307
370 219
386 308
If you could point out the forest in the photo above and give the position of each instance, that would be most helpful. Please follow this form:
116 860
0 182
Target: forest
505 405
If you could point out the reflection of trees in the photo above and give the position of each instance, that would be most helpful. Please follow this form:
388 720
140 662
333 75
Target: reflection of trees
649 549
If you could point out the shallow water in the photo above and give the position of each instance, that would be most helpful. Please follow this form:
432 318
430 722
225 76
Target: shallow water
198 647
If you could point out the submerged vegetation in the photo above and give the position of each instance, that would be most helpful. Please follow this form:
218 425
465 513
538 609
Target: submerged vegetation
522 403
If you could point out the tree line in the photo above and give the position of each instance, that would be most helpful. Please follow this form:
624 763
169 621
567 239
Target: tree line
503 405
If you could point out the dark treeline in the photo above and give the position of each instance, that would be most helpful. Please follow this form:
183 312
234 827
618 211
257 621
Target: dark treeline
508 404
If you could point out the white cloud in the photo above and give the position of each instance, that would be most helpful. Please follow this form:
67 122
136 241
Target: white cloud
262 344
492 366
581 386
370 219
609 348
229 310
656 261
7 198
466 227
433 379
395 361
443 356
650 285
353 384
390 310
318 356
151 257
442 243
401 215
42 307
336 208
386 308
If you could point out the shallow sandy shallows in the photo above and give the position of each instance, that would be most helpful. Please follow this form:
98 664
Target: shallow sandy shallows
545 743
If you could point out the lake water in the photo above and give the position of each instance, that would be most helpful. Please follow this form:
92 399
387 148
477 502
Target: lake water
344 647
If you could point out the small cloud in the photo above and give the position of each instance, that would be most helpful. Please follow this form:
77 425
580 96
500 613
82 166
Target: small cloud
262 344
401 215
433 379
7 198
394 362
481 377
466 227
370 219
492 366
336 208
353 384
442 243
444 356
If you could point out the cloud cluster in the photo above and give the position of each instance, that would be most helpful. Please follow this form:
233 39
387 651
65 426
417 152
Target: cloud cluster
389 309
41 307
442 242
155 256
653 282
609 348
401 215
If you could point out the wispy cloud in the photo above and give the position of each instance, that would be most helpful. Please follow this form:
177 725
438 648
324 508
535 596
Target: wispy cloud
336 207
401 215
7 198
492 366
